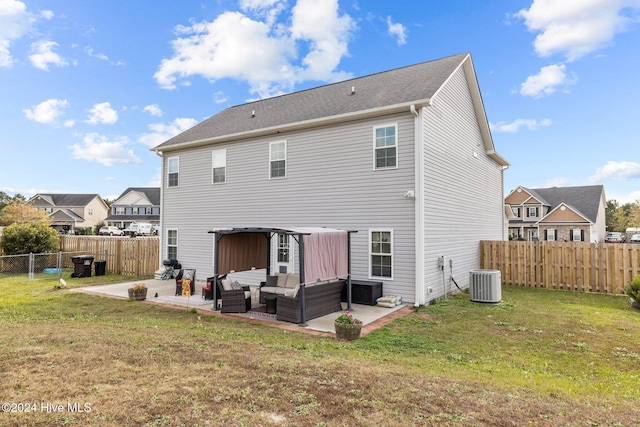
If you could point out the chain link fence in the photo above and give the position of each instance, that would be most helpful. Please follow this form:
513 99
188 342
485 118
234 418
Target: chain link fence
45 265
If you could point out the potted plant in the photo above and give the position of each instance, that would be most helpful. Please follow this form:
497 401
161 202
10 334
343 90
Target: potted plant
138 292
633 290
347 327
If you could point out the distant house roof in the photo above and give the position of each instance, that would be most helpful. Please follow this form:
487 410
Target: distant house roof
66 200
151 193
585 199
414 84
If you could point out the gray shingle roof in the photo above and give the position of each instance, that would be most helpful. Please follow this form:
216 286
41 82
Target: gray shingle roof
152 193
68 199
413 83
585 199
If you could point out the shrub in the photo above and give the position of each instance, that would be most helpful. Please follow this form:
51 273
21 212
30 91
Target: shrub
24 238
633 288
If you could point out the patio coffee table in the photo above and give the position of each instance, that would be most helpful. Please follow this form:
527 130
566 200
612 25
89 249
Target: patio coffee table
271 301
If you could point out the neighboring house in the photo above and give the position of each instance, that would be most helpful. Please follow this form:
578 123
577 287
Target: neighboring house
136 204
405 158
558 214
69 212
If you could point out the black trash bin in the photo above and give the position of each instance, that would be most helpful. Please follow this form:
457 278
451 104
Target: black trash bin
82 265
101 267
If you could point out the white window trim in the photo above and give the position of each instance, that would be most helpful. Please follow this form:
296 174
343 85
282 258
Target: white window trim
169 159
120 210
177 241
286 168
551 230
393 269
223 153
577 235
394 125
535 214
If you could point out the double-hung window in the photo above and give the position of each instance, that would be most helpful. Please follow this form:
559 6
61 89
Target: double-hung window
219 166
172 244
385 147
381 253
283 248
120 210
278 159
173 168
551 235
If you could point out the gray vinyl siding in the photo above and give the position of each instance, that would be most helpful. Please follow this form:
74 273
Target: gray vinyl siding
463 197
330 181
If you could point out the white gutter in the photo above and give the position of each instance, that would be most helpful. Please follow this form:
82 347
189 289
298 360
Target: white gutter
419 204
272 130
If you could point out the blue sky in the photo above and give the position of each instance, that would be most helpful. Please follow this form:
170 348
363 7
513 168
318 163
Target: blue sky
88 87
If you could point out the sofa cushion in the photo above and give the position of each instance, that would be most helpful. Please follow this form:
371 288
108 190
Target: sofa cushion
276 290
282 279
292 281
226 284
292 292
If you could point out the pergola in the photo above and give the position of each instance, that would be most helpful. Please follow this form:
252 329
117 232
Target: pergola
322 253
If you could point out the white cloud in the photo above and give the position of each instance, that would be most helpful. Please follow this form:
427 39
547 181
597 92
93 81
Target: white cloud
218 49
89 51
577 27
397 30
619 171
560 181
633 197
97 148
15 22
162 132
153 109
47 14
102 113
42 55
515 126
47 111
546 81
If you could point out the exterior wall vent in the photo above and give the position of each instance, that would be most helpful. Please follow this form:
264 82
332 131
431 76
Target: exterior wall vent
485 286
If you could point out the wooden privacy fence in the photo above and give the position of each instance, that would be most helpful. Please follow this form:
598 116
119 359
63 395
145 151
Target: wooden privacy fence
138 256
576 266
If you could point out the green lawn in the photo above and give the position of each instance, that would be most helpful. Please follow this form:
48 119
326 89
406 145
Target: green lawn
538 358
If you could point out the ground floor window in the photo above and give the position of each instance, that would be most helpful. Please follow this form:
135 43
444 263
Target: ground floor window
550 235
172 244
381 253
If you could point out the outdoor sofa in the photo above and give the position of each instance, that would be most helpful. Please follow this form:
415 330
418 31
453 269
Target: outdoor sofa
321 298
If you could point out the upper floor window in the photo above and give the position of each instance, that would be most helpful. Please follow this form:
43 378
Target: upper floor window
89 211
119 210
148 211
385 147
134 210
278 159
516 212
532 212
173 168
381 253
219 165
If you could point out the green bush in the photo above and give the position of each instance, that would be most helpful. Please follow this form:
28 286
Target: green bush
633 288
36 237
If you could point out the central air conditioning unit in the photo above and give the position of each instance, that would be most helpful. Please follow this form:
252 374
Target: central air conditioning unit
485 286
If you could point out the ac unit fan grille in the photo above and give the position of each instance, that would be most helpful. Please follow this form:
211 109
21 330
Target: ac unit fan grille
485 286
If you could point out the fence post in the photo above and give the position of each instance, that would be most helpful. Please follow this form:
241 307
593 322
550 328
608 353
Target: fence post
59 264
31 266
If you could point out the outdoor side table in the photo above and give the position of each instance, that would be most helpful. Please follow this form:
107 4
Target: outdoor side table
271 301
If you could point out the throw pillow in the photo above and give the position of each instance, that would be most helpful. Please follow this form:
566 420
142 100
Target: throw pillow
272 281
236 286
226 285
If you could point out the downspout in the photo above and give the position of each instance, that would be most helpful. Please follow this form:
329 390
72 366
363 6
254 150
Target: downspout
162 231
419 206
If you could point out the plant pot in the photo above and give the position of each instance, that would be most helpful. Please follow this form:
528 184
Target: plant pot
348 331
137 295
635 303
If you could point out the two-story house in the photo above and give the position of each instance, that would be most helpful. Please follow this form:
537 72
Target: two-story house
558 213
69 212
136 204
389 156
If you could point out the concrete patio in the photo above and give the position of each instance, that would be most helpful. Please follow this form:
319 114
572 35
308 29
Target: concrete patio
162 292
